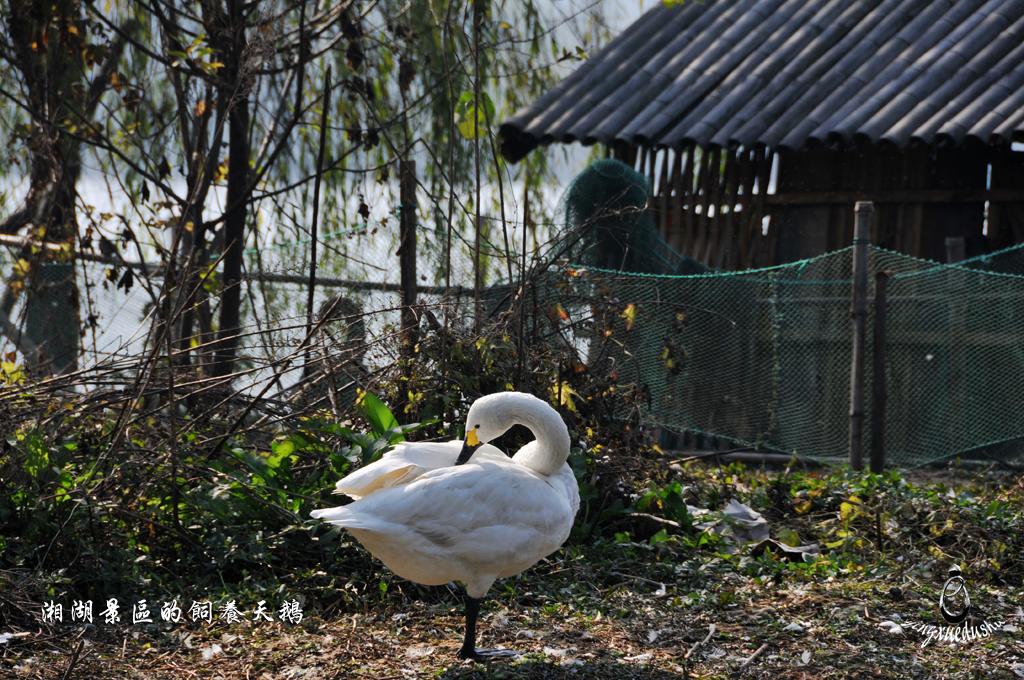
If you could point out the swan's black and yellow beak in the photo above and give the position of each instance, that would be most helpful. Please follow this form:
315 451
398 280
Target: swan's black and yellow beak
469 447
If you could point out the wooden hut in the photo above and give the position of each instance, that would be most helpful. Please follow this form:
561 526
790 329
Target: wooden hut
760 122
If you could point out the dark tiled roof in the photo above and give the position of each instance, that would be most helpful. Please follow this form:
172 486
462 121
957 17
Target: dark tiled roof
786 72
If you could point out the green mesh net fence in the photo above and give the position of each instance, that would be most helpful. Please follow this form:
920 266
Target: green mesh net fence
955 358
762 357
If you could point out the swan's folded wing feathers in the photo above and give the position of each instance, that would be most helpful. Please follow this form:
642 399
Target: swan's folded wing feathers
476 515
397 467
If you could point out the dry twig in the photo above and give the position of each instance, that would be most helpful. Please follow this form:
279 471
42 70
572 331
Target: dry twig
697 645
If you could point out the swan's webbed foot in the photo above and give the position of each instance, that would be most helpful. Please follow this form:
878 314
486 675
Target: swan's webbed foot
488 655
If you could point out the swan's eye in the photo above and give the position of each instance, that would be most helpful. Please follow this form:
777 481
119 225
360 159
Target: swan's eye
476 427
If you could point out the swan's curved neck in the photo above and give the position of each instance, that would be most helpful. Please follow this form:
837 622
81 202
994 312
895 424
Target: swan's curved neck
550 451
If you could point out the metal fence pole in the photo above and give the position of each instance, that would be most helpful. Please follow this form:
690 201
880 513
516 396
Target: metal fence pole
863 214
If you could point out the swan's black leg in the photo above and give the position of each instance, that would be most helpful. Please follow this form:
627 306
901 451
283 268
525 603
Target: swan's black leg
469 650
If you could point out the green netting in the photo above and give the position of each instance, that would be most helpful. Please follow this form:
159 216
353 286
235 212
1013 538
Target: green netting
762 357
610 225
955 358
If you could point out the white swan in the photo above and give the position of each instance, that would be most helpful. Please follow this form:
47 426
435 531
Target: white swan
464 511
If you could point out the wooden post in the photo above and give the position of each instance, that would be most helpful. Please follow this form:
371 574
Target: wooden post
955 248
879 393
407 253
863 214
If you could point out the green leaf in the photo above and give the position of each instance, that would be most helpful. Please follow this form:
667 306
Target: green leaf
850 510
64 485
466 113
11 373
283 448
789 537
659 537
37 456
380 417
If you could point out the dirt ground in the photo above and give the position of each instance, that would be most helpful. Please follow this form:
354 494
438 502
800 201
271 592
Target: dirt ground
634 629
632 608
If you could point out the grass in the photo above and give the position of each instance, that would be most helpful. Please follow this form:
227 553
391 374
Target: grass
652 594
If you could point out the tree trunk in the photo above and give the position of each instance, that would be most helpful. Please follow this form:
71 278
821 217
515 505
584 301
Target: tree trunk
407 254
47 53
52 319
233 33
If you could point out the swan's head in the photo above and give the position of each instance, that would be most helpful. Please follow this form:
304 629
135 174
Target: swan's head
491 416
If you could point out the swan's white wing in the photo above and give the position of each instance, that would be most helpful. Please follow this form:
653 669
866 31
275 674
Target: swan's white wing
400 465
403 464
565 480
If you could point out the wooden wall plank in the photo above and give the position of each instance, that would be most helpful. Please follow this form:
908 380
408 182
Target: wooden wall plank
664 195
753 237
689 171
1005 218
727 221
708 167
679 197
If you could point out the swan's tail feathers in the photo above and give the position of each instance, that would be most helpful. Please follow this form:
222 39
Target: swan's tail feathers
343 517
328 514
